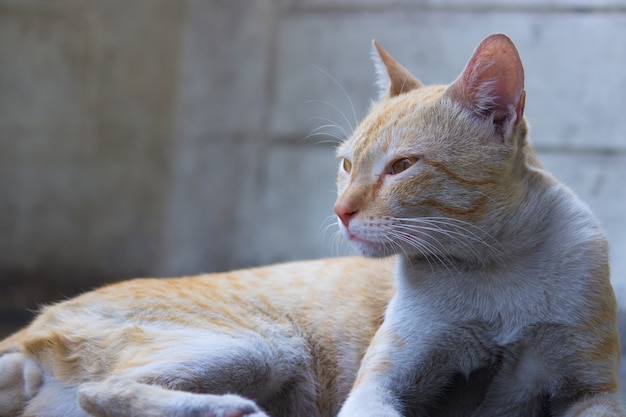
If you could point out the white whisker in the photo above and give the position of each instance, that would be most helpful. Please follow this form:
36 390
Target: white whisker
339 137
337 109
336 139
338 84
328 222
336 244
428 250
459 231
331 123
444 232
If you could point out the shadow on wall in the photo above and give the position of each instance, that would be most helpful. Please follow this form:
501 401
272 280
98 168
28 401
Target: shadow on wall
21 295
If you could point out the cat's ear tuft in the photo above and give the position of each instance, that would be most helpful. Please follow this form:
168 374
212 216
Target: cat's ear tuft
392 78
492 84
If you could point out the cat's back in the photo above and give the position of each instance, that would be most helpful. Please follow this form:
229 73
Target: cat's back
295 289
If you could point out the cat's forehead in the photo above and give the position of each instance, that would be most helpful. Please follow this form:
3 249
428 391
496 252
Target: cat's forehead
385 128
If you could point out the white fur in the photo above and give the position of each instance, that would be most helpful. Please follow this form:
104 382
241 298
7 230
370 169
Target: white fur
383 82
55 399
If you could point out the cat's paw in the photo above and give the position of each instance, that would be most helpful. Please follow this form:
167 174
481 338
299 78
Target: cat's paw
600 405
375 410
20 379
366 404
232 406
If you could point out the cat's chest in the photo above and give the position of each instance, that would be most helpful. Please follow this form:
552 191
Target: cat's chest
505 301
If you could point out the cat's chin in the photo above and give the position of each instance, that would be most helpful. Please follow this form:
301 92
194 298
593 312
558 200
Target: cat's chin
368 248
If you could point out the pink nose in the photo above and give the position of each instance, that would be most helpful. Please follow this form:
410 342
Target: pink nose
345 213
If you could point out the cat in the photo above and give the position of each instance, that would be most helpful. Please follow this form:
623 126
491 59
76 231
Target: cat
500 267
485 290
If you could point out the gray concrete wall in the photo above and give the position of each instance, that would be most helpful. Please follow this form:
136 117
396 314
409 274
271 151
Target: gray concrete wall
157 137
87 98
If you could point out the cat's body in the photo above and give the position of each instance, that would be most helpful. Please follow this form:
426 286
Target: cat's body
274 334
501 276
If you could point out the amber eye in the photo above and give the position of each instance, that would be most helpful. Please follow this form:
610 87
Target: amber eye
346 165
401 165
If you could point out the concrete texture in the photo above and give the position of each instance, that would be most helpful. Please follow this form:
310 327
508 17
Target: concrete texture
154 138
574 66
85 136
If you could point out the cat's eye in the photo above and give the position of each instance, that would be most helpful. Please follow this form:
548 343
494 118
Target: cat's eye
401 165
346 165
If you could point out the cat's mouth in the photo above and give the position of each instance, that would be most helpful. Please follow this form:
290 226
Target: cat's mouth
366 247
358 239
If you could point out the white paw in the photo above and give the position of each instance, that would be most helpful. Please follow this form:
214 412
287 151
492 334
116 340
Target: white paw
20 379
231 406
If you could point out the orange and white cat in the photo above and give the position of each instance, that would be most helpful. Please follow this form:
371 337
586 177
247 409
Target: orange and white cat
498 301
500 266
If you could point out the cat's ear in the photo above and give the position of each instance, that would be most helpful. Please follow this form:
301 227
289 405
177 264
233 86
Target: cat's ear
392 78
492 84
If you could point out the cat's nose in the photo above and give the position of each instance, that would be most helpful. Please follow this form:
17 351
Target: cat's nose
345 213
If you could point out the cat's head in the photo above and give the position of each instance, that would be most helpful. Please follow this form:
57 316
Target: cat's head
431 168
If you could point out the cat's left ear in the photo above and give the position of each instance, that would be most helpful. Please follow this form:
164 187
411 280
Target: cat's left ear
492 84
392 78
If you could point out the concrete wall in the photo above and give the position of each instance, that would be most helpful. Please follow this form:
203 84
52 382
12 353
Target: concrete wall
87 107
158 137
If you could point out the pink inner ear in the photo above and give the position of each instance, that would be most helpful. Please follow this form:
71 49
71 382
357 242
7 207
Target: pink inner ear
493 80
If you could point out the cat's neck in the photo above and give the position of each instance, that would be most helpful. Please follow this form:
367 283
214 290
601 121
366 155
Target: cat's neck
549 249
545 221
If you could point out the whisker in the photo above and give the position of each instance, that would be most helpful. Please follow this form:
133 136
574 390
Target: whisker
337 109
336 244
345 93
461 224
327 223
336 140
445 233
428 250
319 132
331 123
460 229
448 221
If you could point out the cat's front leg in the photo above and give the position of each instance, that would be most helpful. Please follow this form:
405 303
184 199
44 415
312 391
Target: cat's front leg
371 399
402 373
377 389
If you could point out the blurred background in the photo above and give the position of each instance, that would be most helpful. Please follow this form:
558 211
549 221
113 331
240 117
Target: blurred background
163 138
